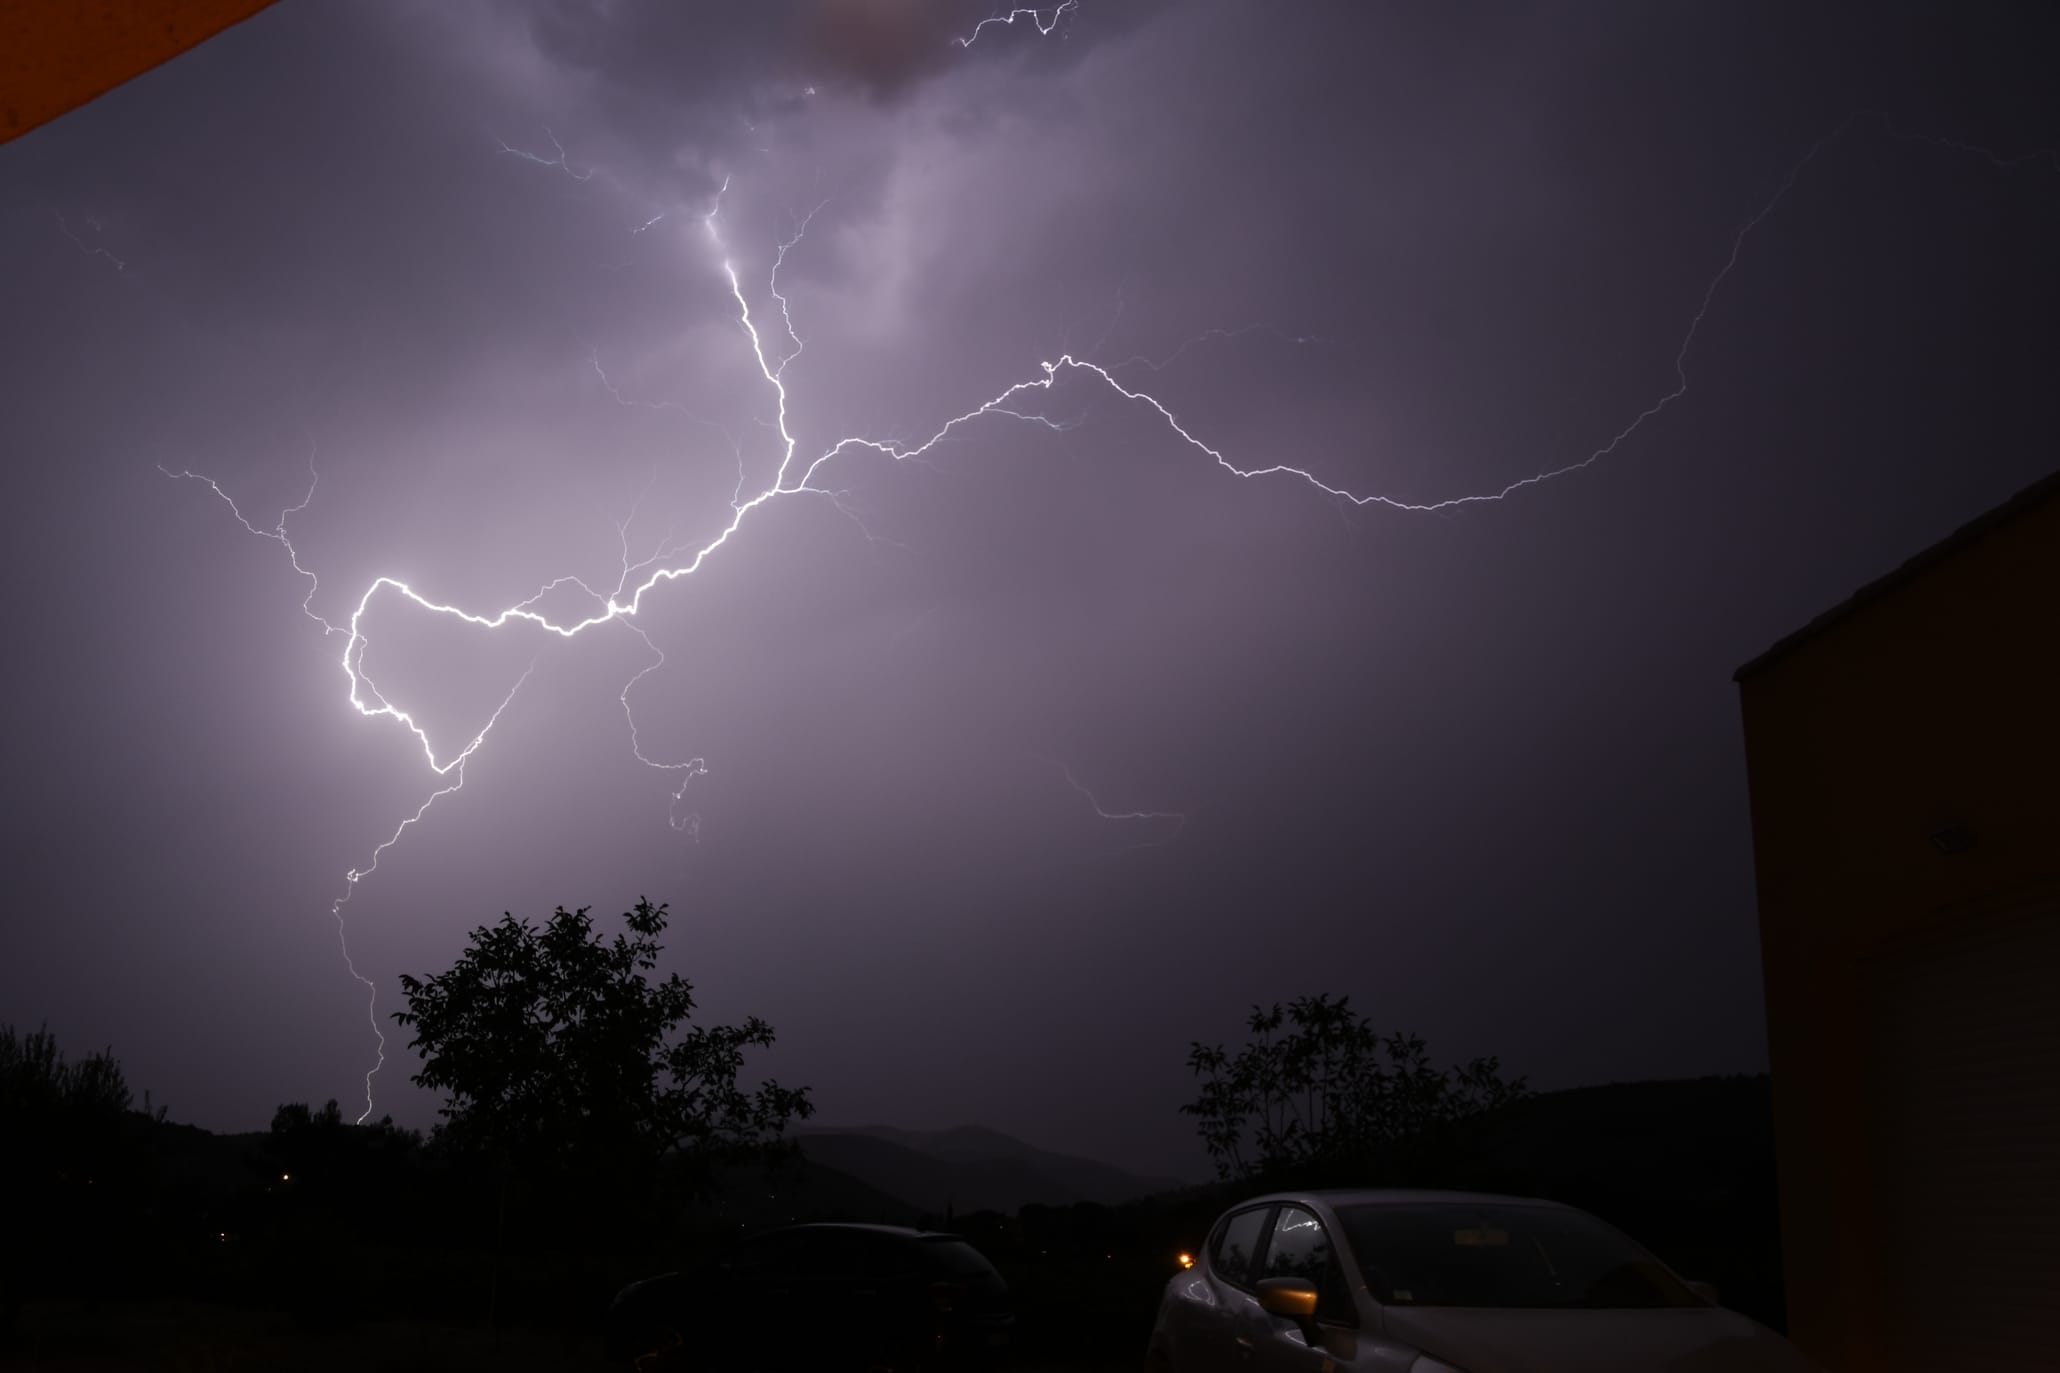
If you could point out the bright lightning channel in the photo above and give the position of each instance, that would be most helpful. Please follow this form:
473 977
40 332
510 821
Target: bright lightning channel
454 769
624 601
1036 16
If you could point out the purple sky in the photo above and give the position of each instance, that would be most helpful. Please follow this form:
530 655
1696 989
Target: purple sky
1478 767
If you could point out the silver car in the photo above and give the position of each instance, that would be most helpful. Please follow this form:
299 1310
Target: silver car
1441 1282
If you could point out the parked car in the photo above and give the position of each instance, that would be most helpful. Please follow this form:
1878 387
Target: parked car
861 1297
1441 1282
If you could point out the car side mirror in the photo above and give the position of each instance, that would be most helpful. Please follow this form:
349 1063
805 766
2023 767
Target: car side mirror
658 1351
1706 1290
1294 1298
1290 1297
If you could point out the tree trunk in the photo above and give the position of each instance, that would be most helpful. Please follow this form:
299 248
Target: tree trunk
493 1300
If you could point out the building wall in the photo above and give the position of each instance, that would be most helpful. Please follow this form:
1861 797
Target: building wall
1932 705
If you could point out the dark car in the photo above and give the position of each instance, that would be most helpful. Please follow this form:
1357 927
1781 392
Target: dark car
826 1296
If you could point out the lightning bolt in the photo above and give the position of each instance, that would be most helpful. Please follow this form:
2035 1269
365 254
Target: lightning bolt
64 227
454 769
559 161
624 601
1036 15
1179 818
2000 161
1067 363
276 533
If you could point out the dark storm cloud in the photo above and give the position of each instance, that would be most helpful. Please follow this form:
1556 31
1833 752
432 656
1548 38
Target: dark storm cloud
692 54
697 54
761 60
1478 768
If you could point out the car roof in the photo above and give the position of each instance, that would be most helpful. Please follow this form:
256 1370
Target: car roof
1335 1197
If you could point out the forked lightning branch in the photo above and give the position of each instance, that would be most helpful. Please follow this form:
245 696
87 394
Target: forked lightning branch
797 477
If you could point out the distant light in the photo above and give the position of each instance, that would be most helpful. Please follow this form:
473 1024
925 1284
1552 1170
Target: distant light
1187 1260
286 1177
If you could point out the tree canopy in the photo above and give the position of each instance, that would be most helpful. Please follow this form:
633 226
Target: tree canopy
1318 1093
558 1053
36 1077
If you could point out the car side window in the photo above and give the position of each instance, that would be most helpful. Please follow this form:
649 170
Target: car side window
1237 1245
892 1260
793 1255
1299 1247
836 1255
766 1254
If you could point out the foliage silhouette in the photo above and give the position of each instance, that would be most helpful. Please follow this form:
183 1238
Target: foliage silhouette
73 1162
36 1080
573 1077
1318 1095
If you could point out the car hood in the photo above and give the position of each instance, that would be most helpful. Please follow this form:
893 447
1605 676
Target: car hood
1671 1340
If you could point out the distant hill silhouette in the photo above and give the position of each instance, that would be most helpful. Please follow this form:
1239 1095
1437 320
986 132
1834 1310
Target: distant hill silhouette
971 1168
803 1189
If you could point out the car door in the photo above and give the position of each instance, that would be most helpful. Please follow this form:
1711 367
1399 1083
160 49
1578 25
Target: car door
759 1303
1216 1335
883 1305
1298 1245
832 1303
799 1298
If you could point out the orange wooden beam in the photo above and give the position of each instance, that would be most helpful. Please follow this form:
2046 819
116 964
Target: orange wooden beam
56 55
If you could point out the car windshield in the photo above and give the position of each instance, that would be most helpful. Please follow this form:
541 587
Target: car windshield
957 1257
1502 1255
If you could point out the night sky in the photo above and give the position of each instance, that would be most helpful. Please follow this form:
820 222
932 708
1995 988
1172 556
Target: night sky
1479 766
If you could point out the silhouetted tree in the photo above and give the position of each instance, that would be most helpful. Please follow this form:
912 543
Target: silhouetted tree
568 1070
63 1125
37 1082
1318 1093
322 1156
